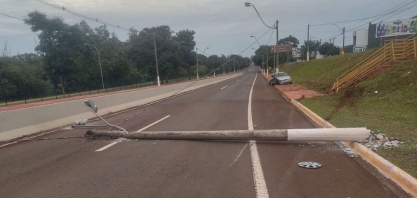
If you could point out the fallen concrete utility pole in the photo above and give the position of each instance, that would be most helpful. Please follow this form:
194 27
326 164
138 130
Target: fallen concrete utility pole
318 134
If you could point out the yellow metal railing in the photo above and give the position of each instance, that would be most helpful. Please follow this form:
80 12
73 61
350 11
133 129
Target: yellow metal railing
393 51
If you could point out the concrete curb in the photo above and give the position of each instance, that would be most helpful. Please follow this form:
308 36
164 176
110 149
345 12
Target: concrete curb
397 175
282 93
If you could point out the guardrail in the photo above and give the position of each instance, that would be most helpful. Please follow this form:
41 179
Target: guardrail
393 51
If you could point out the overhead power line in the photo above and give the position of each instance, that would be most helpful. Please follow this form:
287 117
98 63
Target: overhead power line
387 15
398 9
394 9
81 15
271 36
19 30
11 16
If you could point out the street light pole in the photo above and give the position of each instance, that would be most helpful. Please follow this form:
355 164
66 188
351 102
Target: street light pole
267 65
196 54
277 52
308 42
247 4
156 61
275 67
266 52
343 32
99 61
234 69
214 66
343 48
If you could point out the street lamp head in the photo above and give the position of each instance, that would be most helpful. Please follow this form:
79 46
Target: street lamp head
252 36
247 4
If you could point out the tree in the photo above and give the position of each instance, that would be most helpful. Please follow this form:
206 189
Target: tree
260 55
186 45
290 40
23 77
314 46
286 57
66 56
141 46
328 49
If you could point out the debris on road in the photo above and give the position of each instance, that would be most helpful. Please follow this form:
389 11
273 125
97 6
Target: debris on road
350 153
80 122
380 140
309 165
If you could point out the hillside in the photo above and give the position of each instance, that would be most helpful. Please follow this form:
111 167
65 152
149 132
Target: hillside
385 103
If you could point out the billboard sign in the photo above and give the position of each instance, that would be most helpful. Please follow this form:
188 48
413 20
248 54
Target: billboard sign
396 28
281 48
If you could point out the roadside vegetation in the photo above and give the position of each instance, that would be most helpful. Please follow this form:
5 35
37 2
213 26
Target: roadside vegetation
68 54
385 103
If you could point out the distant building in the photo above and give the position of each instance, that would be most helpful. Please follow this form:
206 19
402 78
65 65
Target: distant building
316 55
377 34
296 54
348 49
360 40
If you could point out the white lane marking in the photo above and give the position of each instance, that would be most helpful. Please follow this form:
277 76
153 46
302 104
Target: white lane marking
156 122
250 121
223 87
238 155
108 145
258 174
121 139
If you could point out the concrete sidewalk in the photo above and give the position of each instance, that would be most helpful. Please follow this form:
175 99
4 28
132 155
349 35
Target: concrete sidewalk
72 98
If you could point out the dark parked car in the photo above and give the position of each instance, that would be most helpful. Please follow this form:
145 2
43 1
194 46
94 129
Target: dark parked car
280 78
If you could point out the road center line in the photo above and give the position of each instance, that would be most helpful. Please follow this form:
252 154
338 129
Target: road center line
258 175
120 139
223 87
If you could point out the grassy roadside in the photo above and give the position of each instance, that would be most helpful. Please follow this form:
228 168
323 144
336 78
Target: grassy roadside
385 103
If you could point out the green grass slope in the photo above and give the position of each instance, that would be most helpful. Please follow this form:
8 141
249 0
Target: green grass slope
321 74
385 103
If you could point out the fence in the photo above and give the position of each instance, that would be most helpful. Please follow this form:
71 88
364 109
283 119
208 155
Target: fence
393 51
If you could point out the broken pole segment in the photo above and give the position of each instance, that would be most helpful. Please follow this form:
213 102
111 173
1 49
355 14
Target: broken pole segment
317 134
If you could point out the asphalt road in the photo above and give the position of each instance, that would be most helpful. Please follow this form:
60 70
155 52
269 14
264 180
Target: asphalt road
163 168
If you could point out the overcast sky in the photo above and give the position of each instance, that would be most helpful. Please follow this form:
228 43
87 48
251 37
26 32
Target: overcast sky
225 26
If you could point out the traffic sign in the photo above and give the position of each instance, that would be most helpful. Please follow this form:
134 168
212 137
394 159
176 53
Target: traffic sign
281 48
